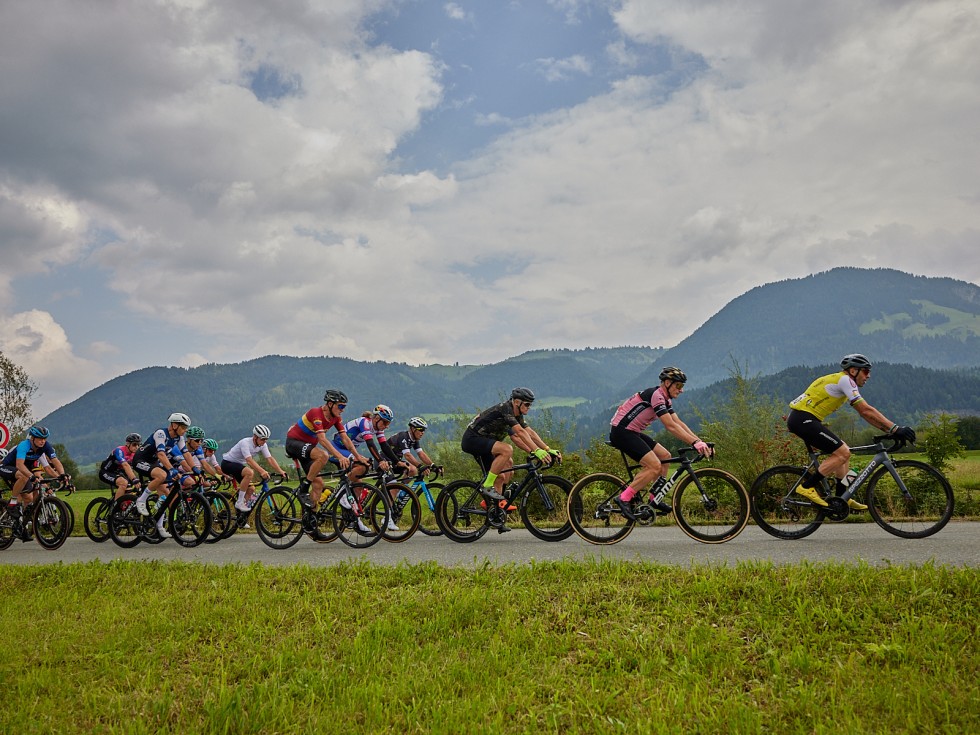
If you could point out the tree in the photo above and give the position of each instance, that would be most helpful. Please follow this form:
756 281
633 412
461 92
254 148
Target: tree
16 391
969 431
940 441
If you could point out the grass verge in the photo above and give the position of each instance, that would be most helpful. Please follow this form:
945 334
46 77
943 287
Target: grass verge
134 647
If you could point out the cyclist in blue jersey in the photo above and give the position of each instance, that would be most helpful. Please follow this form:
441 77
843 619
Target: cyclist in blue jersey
117 471
17 469
367 431
160 459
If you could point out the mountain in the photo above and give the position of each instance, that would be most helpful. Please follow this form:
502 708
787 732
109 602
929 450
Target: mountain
913 323
885 314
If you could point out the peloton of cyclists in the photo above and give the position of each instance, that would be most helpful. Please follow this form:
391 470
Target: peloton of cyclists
824 396
240 464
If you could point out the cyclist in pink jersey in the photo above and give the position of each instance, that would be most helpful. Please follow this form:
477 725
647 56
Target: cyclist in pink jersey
626 434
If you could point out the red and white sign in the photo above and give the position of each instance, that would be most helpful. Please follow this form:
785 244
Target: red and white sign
4 436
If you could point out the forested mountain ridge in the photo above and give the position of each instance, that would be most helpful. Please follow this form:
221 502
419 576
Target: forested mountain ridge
910 322
886 314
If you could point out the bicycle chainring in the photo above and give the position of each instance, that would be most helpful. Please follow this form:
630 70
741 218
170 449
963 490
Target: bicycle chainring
645 514
496 516
837 509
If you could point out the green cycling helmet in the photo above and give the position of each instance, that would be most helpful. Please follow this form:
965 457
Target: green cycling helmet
211 444
195 432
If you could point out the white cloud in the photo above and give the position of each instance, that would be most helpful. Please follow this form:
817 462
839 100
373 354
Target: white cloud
558 70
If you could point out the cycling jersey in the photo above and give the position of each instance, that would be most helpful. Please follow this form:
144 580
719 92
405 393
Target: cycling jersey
160 441
361 431
112 465
246 448
641 409
29 453
497 422
403 443
826 394
314 420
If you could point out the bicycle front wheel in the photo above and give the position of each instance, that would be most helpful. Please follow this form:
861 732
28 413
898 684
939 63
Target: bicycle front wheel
778 510
362 524
190 519
427 507
544 508
711 506
919 509
459 513
222 517
52 522
125 522
593 513
278 519
96 519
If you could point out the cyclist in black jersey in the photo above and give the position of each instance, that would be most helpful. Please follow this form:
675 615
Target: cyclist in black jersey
408 445
484 439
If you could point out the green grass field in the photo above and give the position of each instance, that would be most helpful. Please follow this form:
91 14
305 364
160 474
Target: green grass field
134 647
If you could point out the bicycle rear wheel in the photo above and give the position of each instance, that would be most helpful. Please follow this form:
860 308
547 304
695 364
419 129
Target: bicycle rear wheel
592 512
190 519
427 508
405 513
362 524
717 516
222 517
778 510
52 522
125 522
920 512
458 512
544 509
96 519
278 519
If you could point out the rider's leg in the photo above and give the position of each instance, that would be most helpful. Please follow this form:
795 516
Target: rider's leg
503 459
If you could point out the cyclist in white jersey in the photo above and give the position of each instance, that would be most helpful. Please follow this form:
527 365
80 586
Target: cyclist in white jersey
824 396
239 462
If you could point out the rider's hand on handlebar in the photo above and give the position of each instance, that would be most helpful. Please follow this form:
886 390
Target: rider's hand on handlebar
703 448
905 433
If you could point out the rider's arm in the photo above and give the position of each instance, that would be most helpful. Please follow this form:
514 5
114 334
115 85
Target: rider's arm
524 438
873 416
678 428
424 457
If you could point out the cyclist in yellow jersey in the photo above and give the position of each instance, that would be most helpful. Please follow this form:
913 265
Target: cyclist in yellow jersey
824 396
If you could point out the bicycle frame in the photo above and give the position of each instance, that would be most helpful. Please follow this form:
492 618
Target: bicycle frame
686 466
421 487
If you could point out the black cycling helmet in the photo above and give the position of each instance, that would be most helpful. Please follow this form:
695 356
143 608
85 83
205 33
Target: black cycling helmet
673 374
522 394
334 396
134 438
855 361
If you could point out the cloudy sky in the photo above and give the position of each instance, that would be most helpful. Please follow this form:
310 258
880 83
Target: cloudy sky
190 181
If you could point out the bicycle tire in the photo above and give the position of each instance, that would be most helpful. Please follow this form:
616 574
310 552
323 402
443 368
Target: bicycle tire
96 519
591 512
406 518
222 518
369 497
125 522
278 518
925 513
6 526
52 522
724 515
774 509
459 514
427 519
190 519
547 525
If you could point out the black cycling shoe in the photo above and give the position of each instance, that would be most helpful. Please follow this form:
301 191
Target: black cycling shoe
661 507
491 495
503 529
625 508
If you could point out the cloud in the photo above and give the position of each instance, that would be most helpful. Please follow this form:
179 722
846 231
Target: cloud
559 70
36 342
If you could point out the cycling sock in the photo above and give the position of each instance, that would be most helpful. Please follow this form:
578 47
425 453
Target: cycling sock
241 496
812 479
145 495
491 478
628 494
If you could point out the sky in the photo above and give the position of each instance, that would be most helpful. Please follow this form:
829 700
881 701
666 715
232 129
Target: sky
193 181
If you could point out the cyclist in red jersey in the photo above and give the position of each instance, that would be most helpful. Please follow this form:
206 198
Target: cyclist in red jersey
626 434
306 442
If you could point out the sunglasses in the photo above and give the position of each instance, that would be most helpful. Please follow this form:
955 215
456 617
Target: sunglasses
341 406
525 404
421 431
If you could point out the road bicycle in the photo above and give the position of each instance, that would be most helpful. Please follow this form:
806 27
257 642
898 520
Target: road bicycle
404 507
906 497
186 509
354 512
427 493
542 501
241 517
48 518
708 504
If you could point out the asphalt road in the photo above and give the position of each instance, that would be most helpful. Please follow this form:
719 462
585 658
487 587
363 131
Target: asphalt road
956 545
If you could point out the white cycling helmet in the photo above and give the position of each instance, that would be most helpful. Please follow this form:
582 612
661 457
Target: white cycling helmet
3 453
180 418
261 431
